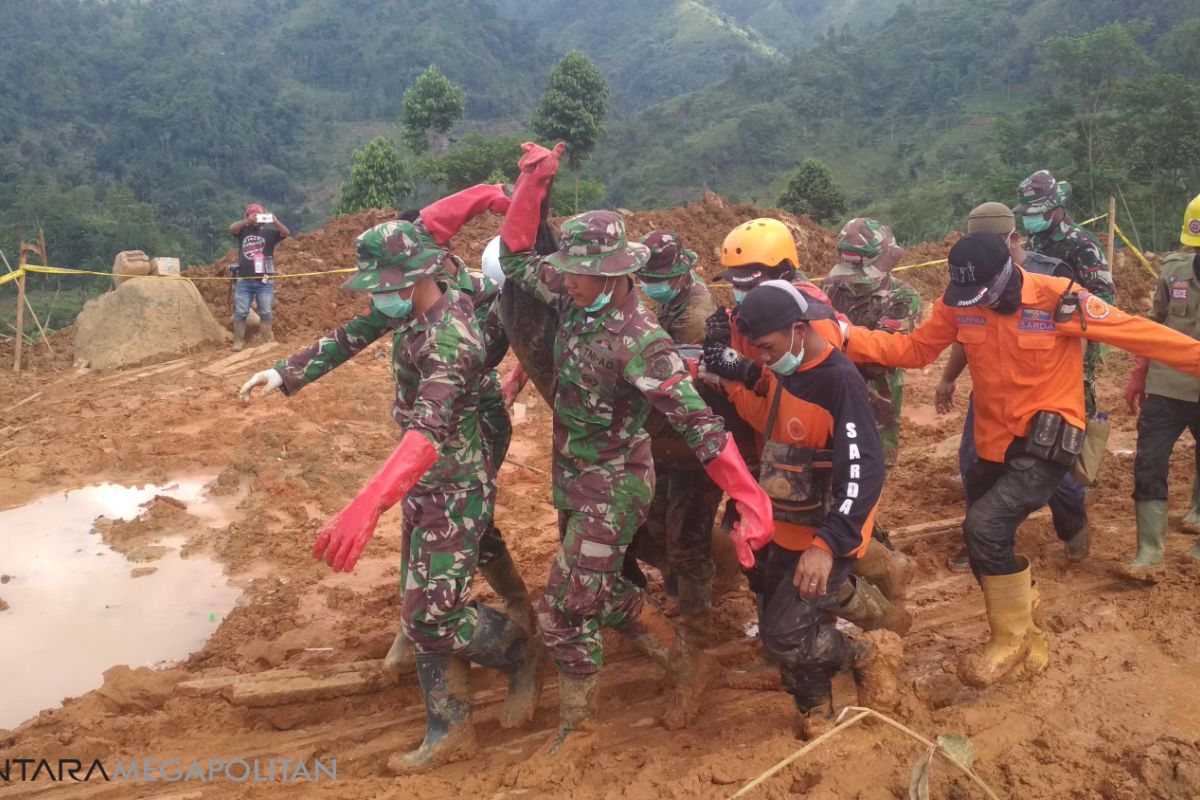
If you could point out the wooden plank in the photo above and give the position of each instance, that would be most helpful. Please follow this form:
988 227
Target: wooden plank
211 686
304 689
220 364
927 530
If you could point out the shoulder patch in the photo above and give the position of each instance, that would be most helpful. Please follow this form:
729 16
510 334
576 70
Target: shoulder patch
660 367
1179 289
1096 308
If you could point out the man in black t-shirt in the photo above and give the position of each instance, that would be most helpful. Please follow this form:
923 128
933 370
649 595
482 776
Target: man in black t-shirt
257 233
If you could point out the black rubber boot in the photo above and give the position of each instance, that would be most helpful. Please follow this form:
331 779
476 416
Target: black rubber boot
864 605
501 574
449 736
500 642
577 709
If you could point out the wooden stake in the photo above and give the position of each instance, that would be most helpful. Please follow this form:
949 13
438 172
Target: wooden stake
33 313
20 320
1110 251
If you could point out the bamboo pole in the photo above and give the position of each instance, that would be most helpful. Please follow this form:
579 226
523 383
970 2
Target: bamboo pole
20 318
32 313
1110 250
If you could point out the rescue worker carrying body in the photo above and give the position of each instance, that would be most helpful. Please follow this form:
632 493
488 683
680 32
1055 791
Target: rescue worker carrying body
761 250
822 465
1169 401
1021 334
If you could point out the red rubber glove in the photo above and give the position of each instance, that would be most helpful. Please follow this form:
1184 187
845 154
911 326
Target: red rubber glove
341 540
512 384
445 217
538 165
1135 390
757 525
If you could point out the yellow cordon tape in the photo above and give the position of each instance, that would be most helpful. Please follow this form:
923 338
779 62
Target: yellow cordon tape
1085 222
12 276
1136 252
67 271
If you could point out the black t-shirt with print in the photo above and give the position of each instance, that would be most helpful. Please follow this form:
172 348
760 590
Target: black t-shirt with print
255 239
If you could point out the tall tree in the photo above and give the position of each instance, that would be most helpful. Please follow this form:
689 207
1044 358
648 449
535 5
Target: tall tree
572 109
379 178
433 103
811 191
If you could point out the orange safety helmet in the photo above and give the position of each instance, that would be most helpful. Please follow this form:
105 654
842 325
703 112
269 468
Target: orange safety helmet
764 241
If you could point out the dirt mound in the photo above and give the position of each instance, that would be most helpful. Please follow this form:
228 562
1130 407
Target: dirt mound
146 317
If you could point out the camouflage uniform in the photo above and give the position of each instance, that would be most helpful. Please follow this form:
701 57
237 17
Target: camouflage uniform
437 364
1078 248
685 503
609 369
875 300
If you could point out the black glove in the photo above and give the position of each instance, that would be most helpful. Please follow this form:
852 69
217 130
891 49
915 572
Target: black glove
725 362
717 330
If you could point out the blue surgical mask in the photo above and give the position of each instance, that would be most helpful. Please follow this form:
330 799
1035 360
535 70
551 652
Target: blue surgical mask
738 296
660 291
391 304
1035 223
789 362
602 299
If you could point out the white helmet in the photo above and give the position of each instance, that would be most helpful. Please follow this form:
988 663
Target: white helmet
491 262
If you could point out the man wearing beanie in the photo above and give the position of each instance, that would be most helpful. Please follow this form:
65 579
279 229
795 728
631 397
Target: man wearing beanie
1022 348
1068 503
823 467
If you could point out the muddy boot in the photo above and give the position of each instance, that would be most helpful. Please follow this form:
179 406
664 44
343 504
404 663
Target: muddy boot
1192 518
815 721
876 670
501 574
960 562
239 335
449 735
576 735
1147 565
695 610
865 606
400 660
690 671
265 334
1079 545
501 643
1016 643
889 570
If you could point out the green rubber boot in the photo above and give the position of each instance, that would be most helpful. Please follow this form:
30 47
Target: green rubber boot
1147 565
1192 518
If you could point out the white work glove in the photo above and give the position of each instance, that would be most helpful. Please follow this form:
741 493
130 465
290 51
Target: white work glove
269 379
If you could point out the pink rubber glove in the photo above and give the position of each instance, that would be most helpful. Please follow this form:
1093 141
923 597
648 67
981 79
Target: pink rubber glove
341 540
445 217
757 525
512 384
538 165
1135 390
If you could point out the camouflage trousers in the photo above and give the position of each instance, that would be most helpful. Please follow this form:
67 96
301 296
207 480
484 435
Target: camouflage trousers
886 395
442 536
677 536
586 591
496 428
1091 357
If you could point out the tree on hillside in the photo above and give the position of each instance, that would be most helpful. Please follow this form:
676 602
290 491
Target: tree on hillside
432 103
811 191
379 178
478 158
572 109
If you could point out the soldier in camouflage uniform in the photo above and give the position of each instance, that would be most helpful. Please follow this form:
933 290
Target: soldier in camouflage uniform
862 287
443 474
685 498
612 361
1052 232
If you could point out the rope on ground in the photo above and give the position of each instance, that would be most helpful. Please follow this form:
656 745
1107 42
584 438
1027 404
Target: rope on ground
859 715
1135 251
69 271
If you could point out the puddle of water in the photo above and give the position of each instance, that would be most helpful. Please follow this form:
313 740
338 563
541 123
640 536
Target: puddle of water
74 609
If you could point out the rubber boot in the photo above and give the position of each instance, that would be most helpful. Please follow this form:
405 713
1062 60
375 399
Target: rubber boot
960 562
1016 643
1147 565
865 606
889 570
265 334
1079 545
815 721
501 643
501 574
690 671
449 736
1192 518
576 713
695 610
400 659
239 335
876 669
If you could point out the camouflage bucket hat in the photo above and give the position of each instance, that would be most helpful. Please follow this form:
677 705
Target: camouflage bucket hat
1040 193
393 256
594 243
668 257
864 237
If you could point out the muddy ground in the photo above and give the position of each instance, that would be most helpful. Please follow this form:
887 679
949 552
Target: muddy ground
1117 716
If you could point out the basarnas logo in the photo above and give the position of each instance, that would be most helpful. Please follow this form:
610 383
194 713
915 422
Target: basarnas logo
168 770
